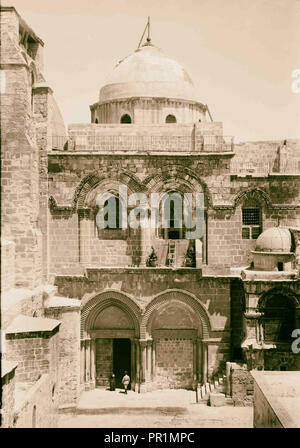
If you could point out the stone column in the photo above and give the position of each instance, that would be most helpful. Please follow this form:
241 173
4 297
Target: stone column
199 359
133 372
145 241
198 252
143 364
153 360
82 363
85 237
204 362
194 361
87 363
93 364
138 366
149 360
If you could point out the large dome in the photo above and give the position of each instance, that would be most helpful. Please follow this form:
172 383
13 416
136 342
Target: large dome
275 239
148 73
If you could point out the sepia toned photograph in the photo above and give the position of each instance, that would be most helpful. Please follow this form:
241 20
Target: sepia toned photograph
150 217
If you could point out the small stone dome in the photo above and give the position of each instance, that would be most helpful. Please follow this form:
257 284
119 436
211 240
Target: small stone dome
275 239
148 73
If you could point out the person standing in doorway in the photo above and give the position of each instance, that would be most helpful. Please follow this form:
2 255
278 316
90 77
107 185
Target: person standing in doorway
112 381
126 380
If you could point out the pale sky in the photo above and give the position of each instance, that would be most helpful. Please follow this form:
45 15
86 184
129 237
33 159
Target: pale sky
240 54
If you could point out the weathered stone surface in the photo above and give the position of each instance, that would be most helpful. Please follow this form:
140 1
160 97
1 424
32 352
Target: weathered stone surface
217 399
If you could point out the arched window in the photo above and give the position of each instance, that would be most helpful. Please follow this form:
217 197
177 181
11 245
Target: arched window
171 119
278 319
172 216
251 221
96 121
125 119
112 210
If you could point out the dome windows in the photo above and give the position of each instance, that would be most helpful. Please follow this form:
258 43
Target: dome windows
171 119
125 119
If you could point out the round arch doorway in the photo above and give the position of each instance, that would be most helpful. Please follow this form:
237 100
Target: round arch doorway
113 331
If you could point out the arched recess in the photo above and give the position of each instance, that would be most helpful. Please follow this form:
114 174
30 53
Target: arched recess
193 308
254 194
91 181
108 320
278 306
278 290
179 178
95 305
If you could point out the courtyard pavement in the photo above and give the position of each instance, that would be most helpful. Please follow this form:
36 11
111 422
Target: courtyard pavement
101 408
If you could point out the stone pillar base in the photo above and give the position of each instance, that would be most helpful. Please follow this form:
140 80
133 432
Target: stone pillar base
147 387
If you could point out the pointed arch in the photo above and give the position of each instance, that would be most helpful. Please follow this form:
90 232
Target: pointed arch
178 178
92 306
255 194
92 180
182 296
278 290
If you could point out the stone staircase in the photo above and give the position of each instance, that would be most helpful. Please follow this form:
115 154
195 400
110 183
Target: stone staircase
213 393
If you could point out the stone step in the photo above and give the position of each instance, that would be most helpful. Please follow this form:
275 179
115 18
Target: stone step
130 409
49 291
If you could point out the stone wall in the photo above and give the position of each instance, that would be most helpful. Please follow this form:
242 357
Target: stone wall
174 363
198 137
264 414
276 399
145 284
20 161
71 180
266 157
7 393
36 354
68 352
7 265
238 305
240 385
38 408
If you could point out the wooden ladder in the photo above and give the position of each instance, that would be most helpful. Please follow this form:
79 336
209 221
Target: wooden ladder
172 253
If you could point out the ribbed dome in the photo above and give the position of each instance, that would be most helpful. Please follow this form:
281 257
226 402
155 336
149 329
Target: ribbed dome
275 239
148 73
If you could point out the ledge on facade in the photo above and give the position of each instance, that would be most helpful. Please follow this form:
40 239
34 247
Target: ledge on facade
63 152
25 324
62 302
262 175
248 274
7 367
142 269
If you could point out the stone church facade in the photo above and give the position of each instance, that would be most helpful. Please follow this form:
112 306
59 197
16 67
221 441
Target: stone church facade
79 302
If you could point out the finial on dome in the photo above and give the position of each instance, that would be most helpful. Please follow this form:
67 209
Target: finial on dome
148 41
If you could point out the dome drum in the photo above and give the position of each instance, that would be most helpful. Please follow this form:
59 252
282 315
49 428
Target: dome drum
148 111
273 250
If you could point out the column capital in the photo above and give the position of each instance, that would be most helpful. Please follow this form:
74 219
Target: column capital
252 314
145 342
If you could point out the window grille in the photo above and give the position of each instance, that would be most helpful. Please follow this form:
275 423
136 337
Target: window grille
251 228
